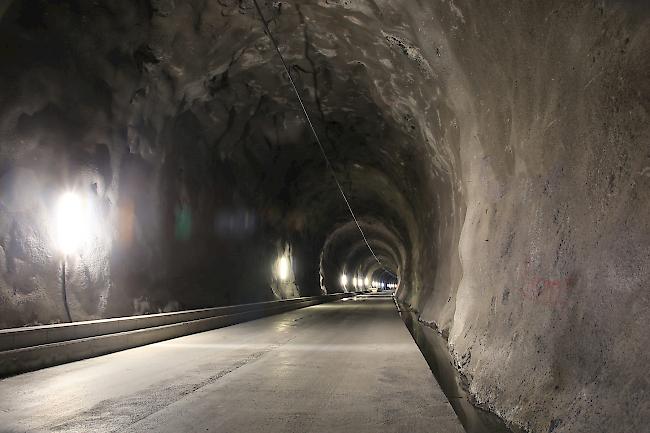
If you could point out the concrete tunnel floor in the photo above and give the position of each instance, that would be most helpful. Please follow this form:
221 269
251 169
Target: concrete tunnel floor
347 366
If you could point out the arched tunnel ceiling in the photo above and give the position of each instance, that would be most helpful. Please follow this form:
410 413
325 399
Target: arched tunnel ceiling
345 252
496 153
191 97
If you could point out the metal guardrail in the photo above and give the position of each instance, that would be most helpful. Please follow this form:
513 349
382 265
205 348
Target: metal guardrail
32 348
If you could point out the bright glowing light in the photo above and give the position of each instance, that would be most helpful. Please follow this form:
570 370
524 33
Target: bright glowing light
354 282
72 222
283 268
366 282
344 280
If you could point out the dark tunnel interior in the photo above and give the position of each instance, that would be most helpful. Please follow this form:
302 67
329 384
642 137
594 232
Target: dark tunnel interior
496 155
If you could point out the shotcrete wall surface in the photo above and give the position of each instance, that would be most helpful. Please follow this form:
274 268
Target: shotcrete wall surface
496 153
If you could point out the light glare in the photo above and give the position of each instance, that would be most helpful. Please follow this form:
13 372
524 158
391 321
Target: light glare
344 280
283 268
72 219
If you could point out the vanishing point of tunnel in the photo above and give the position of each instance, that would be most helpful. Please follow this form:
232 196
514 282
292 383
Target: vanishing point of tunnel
406 216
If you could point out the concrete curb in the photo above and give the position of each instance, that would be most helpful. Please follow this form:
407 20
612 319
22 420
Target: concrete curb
28 349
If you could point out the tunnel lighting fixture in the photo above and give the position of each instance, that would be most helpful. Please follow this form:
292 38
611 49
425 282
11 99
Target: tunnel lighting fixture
72 222
366 282
72 229
283 268
354 282
344 280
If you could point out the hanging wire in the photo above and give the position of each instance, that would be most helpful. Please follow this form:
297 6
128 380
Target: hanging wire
313 130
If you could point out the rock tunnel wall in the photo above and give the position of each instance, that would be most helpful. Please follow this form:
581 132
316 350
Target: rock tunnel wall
548 108
496 153
116 101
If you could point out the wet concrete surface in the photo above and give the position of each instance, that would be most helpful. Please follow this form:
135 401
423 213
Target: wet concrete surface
434 348
348 366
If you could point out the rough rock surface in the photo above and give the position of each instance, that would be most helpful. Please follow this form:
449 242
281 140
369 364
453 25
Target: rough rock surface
497 155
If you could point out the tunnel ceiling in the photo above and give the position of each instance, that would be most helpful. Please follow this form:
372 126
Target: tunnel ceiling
495 153
165 109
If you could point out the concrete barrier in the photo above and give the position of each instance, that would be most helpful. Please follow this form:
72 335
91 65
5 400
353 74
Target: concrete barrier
33 348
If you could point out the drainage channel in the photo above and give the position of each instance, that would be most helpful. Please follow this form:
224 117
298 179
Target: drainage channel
434 348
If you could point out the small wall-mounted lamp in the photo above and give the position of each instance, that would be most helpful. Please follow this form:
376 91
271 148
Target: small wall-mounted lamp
283 268
72 222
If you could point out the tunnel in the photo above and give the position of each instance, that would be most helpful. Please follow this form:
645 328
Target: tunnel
490 161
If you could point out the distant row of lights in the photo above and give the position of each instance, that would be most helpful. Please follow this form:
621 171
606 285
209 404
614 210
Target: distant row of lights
363 283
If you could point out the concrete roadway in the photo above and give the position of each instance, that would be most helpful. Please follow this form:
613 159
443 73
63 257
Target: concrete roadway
349 366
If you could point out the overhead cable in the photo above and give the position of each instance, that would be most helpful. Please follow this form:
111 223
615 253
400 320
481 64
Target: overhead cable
313 130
